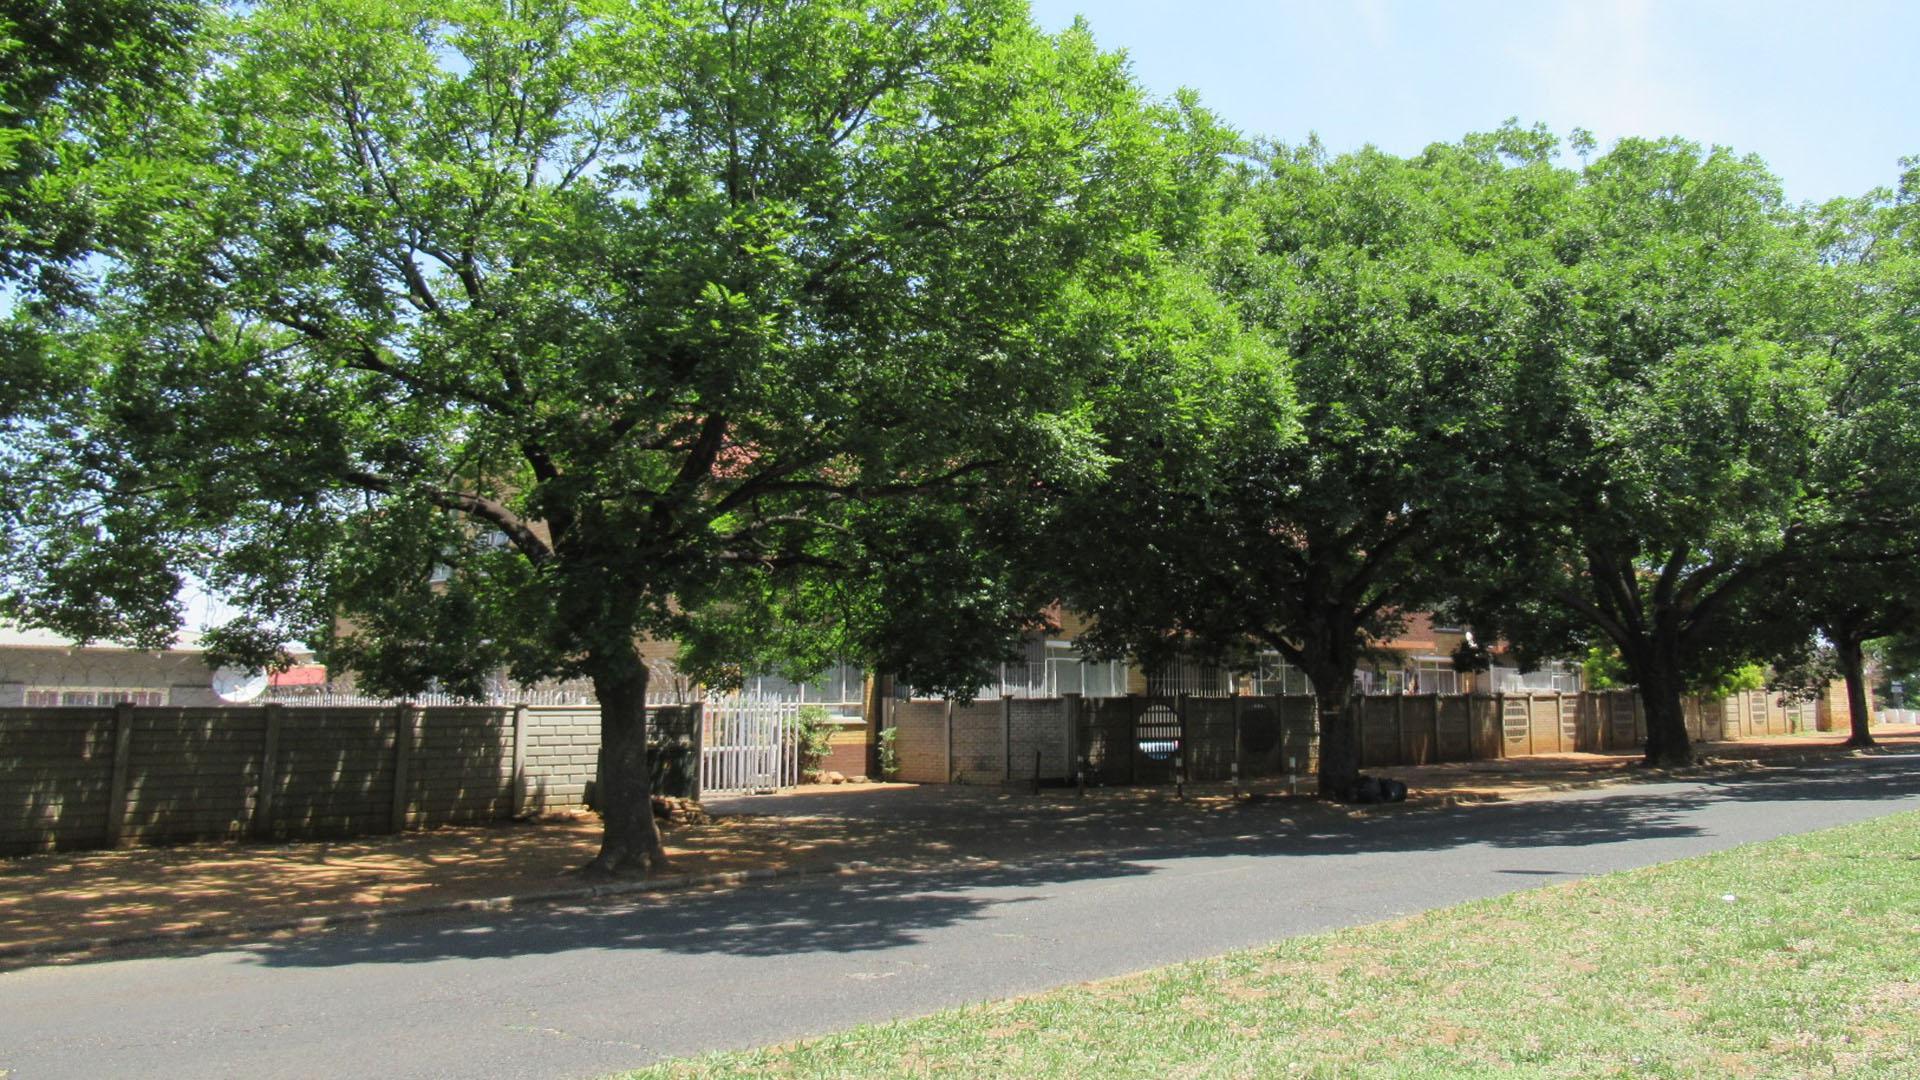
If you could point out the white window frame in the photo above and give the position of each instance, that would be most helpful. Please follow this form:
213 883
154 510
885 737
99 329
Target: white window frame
1435 675
93 697
1068 671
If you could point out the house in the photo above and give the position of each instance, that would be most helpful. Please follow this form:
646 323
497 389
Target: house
40 668
1419 660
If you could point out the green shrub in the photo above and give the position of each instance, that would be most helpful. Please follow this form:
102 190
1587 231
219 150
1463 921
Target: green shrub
889 754
816 728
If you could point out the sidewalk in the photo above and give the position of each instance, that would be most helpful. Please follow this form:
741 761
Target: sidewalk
49 904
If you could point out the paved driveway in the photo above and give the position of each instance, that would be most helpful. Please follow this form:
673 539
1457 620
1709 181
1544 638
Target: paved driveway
584 991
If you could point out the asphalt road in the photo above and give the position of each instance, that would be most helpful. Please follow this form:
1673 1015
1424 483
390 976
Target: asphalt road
581 992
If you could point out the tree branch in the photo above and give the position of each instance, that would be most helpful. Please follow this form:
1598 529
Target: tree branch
491 511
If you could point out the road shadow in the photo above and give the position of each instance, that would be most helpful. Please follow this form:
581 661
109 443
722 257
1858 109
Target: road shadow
1013 848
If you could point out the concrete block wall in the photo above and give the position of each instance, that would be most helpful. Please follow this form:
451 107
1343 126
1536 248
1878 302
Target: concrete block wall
562 752
1038 731
56 774
82 778
333 772
460 767
979 743
194 774
1396 730
922 743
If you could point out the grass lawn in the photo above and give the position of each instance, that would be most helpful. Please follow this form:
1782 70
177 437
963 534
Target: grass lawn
1793 958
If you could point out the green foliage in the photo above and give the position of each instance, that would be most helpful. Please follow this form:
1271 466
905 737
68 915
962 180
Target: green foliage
459 338
1315 471
814 730
78 79
1855 576
890 753
1658 468
454 339
1896 659
1744 677
1602 669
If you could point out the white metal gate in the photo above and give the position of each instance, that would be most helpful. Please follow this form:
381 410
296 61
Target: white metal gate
749 746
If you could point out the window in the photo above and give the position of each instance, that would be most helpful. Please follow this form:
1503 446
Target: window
1434 675
842 684
1380 682
1558 675
42 697
1277 677
1069 672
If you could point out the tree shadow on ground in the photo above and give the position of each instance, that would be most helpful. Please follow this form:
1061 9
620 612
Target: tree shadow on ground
1014 849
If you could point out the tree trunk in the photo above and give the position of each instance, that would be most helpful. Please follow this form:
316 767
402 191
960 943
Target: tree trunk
1853 666
1339 745
1339 731
1659 679
629 839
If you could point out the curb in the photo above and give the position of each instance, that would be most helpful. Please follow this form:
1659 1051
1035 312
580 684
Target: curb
70 947
74 947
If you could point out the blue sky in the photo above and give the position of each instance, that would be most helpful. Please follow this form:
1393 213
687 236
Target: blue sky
1828 93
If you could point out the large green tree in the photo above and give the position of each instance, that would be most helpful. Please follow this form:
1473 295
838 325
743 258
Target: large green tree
1305 496
1664 471
76 78
1854 573
607 313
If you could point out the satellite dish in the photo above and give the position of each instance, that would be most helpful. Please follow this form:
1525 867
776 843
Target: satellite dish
238 685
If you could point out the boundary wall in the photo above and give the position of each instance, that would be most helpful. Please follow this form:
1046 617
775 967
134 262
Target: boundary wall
73 778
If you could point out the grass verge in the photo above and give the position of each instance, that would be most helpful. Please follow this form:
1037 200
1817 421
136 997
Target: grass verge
1798 957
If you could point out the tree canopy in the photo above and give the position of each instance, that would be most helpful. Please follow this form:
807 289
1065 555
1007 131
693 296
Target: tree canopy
1391 297
460 339
1665 467
500 335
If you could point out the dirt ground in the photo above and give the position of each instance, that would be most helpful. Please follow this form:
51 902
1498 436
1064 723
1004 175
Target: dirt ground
157 891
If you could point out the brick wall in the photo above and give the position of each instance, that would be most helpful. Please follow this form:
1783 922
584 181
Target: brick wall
922 743
562 752
81 778
979 743
849 754
1038 731
1281 734
56 770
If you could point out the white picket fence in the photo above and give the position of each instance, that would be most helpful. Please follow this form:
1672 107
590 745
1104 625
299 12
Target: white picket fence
749 746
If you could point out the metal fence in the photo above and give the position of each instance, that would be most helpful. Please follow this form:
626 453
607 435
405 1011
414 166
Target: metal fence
749 746
324 698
